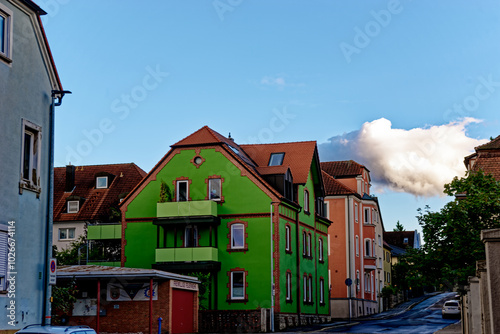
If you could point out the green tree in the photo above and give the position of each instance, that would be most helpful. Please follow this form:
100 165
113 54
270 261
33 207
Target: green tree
399 227
452 236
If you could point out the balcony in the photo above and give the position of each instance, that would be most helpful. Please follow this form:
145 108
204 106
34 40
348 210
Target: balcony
104 232
186 212
189 254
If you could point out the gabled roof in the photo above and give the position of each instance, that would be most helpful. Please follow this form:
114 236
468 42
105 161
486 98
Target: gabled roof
95 203
341 169
298 156
396 238
203 136
486 158
492 145
334 187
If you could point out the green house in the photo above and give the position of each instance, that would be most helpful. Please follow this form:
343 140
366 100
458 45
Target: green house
241 217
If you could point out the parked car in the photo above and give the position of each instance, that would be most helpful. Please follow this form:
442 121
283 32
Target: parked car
40 329
451 309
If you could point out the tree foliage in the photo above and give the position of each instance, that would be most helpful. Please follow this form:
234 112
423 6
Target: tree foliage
452 236
399 227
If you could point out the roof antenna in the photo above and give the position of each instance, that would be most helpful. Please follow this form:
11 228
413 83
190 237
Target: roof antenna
230 138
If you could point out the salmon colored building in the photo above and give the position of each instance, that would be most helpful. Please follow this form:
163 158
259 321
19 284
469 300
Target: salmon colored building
355 246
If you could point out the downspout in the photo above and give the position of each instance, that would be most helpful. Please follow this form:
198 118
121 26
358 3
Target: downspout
272 272
349 256
297 224
151 306
47 289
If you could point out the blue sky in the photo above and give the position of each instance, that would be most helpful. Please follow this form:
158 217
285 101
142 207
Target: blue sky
407 88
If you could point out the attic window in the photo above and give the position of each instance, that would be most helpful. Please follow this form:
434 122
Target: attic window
73 206
276 159
101 182
405 240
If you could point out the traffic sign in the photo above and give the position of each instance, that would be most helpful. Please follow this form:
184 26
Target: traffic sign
348 282
53 271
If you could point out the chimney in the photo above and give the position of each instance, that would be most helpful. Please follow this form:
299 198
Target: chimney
70 178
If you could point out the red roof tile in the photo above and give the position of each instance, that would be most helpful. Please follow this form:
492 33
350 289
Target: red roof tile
96 202
397 238
203 136
339 169
334 187
298 156
486 158
492 145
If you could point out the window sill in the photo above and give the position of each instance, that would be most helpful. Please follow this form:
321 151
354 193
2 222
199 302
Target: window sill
321 261
309 303
308 257
289 301
237 249
237 301
307 213
29 186
5 59
288 251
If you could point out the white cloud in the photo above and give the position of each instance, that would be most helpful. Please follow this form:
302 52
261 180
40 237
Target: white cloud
273 81
418 161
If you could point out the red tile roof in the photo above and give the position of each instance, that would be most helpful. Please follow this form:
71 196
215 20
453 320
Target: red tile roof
492 145
486 158
97 202
334 187
397 238
204 136
298 156
340 169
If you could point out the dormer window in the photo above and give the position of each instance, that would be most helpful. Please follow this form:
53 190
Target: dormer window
101 182
276 159
73 206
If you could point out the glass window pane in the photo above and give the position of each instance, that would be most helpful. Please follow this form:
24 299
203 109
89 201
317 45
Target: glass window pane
276 159
2 34
237 280
62 233
215 188
27 155
237 236
102 182
71 233
182 191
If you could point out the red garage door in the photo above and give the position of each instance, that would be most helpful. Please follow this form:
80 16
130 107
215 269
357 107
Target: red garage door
182 311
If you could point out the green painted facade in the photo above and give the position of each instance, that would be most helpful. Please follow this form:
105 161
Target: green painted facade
156 233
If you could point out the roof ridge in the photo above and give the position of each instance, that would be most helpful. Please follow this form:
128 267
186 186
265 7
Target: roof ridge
281 143
492 143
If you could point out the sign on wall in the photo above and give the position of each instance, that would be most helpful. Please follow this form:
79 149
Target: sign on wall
130 292
184 285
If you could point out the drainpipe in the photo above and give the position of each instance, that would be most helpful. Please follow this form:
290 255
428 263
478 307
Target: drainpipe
272 273
47 289
98 318
349 256
297 247
151 306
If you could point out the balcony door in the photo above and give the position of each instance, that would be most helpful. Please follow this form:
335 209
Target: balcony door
191 236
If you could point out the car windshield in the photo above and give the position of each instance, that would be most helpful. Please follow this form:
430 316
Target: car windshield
451 304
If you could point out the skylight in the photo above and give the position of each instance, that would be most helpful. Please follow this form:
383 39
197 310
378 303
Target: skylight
276 159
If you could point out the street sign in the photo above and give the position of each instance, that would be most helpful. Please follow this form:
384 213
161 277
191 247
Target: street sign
53 271
348 282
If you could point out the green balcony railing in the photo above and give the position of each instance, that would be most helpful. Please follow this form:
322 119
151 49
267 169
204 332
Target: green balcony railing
186 209
187 254
104 232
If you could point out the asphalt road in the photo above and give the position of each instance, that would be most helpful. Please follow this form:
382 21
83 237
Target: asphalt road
424 318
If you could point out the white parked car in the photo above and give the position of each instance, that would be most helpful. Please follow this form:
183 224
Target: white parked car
451 309
39 329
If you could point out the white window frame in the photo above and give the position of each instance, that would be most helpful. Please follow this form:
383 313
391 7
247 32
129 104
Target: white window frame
100 178
320 248
34 133
309 244
306 200
233 228
73 209
368 247
357 246
287 238
305 288
358 283
405 240
321 291
3 257
367 216
274 158
304 243
67 229
179 182
210 182
6 53
309 291
232 285
356 212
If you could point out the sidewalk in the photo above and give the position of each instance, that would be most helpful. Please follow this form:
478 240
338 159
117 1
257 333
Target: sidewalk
400 308
455 328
